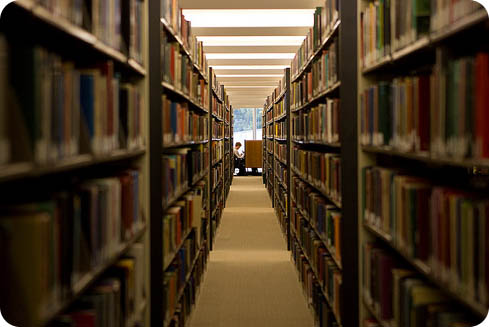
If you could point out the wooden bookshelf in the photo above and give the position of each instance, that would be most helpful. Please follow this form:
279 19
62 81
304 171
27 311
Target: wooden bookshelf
429 53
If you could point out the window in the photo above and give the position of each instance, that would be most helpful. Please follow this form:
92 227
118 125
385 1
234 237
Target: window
247 124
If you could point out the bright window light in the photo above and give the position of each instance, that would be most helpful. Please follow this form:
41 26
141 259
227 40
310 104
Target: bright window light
250 76
237 41
250 18
258 67
250 55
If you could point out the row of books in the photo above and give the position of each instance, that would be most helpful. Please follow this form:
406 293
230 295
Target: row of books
218 108
279 108
74 230
325 314
281 173
178 221
323 75
175 174
178 71
323 265
176 276
217 151
281 215
217 129
322 170
280 129
441 113
115 300
281 151
324 218
324 19
217 172
269 116
386 28
62 110
188 299
198 161
270 146
401 297
320 124
444 228
182 125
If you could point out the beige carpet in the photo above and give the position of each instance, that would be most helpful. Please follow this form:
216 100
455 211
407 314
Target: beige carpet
250 281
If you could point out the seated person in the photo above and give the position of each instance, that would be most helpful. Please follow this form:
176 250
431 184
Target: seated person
239 159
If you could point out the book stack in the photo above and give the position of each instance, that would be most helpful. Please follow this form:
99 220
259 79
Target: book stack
444 14
105 216
281 151
421 227
64 110
445 118
320 124
280 130
279 109
113 300
198 161
320 170
403 297
218 109
217 171
135 28
324 218
325 19
182 125
322 76
281 174
217 130
175 174
217 151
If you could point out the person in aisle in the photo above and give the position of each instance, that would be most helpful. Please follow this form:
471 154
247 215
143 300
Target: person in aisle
239 159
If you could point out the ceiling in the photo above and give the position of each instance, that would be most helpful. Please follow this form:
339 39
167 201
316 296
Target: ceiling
249 43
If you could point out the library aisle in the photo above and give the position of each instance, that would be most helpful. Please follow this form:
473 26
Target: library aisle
250 280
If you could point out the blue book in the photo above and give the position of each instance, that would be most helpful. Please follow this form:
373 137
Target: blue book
87 101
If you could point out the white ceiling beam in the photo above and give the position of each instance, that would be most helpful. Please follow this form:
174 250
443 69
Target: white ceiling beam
248 83
248 71
250 31
245 62
251 4
251 49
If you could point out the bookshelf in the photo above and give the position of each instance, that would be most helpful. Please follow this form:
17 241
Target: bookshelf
433 65
78 101
268 136
219 129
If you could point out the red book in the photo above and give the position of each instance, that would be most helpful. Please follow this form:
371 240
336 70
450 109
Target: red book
482 104
84 318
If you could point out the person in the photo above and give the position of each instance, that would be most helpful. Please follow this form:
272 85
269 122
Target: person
239 159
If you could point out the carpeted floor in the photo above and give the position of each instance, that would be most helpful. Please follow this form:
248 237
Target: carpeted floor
250 281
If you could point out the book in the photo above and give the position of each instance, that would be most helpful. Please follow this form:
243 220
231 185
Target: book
318 124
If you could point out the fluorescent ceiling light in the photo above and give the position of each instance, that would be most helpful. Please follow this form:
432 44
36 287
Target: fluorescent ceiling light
249 86
258 67
264 75
250 55
250 18
250 40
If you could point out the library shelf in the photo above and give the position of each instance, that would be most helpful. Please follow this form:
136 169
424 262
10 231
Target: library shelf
279 118
217 185
217 117
335 146
216 162
216 95
334 29
427 158
183 191
269 137
280 202
184 145
23 170
428 41
91 277
316 275
321 238
218 139
328 92
316 188
270 152
425 270
177 38
368 305
78 34
279 139
280 160
169 259
184 285
280 96
268 123
270 107
280 181
168 87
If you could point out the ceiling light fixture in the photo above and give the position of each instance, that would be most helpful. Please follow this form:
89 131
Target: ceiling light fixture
250 55
250 67
237 41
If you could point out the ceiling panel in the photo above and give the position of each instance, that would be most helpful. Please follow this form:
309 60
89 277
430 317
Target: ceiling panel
251 49
249 31
251 4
